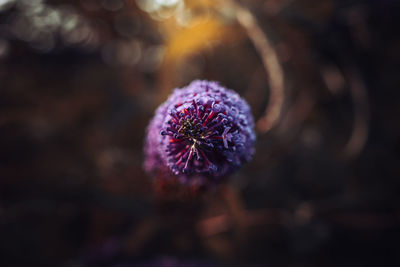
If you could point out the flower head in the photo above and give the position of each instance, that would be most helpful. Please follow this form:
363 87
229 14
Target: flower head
202 130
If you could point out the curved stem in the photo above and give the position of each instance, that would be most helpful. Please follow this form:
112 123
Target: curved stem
359 134
271 64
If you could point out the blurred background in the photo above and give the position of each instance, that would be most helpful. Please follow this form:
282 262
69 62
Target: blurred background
80 80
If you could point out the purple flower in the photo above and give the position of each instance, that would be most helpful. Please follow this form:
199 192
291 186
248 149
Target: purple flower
202 130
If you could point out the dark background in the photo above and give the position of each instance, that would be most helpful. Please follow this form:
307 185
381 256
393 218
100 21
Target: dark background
80 80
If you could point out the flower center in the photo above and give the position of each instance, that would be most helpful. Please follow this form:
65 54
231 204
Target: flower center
191 130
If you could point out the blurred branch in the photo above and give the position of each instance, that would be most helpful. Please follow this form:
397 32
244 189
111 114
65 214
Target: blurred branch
224 222
271 63
359 133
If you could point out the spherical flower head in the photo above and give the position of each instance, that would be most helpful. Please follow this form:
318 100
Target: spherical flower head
202 133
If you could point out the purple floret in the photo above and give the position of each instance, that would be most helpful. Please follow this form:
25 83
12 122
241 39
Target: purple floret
201 130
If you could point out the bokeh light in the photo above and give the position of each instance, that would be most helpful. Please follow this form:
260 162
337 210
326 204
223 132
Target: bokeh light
5 4
161 9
